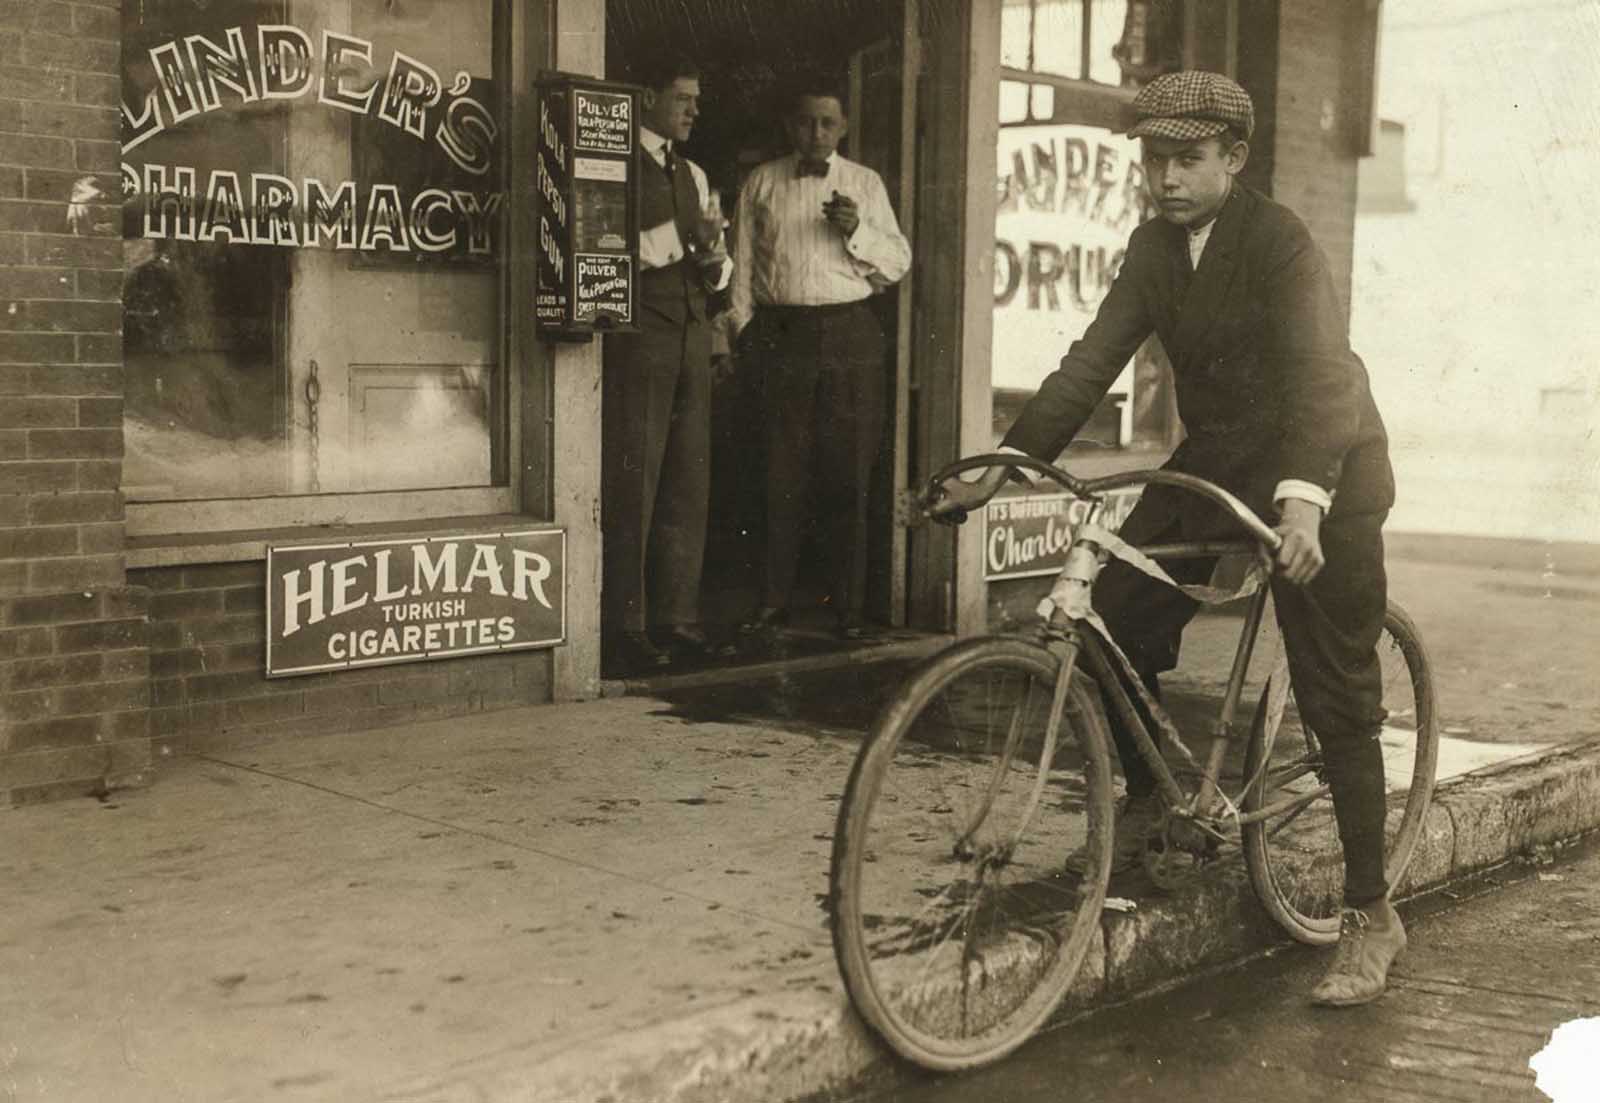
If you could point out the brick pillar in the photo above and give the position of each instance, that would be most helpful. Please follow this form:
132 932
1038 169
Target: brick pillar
74 666
1314 168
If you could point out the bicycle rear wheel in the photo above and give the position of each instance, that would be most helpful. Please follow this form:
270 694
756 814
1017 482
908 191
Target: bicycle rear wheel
956 925
1295 859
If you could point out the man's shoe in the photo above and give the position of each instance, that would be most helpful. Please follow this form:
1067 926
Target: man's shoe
853 628
765 621
688 640
633 653
1136 821
1369 940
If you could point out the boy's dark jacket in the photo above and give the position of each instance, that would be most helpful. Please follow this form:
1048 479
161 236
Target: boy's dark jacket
1267 385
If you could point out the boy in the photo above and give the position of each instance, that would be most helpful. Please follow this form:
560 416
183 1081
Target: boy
1277 409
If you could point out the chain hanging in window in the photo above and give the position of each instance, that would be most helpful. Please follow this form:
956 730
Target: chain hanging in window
313 396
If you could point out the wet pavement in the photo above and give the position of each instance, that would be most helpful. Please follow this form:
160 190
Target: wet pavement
1493 966
1512 651
619 898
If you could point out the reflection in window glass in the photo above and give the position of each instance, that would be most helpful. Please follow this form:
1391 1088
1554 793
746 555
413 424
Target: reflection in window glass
1069 197
1106 20
1041 102
1058 38
313 233
1016 28
1126 46
1014 97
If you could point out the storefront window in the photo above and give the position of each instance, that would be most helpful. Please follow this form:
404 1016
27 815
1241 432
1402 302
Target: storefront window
1076 39
1071 190
314 232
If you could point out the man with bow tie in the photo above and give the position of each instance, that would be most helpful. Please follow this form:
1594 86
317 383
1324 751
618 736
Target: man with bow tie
815 239
656 400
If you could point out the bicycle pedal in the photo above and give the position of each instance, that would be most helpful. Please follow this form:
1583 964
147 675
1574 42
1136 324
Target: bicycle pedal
1172 870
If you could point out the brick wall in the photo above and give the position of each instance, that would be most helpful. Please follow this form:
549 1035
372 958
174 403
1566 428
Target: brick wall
208 692
74 694
1314 170
73 690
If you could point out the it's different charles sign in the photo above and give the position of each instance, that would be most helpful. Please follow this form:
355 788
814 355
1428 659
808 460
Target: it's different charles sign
351 604
1028 536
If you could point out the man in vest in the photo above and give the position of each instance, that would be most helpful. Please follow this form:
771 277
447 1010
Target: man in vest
656 401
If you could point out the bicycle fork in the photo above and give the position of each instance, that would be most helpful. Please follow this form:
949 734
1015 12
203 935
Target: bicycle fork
1014 736
1071 593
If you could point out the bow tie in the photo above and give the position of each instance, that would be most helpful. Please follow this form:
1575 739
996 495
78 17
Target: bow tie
803 167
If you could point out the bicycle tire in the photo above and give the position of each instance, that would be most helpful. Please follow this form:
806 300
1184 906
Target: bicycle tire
910 872
1295 859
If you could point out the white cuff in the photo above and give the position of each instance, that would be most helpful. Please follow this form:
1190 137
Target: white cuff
1305 492
660 246
865 246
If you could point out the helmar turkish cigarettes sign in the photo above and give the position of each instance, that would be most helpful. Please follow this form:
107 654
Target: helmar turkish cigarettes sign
342 605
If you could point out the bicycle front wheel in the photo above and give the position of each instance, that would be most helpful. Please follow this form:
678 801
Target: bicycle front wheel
956 923
1294 856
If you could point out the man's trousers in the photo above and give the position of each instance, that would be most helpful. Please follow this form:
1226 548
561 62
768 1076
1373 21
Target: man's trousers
824 385
1330 633
655 472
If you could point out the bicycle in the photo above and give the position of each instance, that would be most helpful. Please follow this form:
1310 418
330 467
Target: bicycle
958 923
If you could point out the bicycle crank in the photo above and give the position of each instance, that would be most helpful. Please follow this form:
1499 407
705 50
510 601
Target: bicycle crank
1177 852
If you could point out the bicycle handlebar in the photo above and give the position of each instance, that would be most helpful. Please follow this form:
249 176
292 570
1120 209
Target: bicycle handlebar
1095 488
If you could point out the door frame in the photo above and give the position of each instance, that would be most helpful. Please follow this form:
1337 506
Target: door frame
953 314
908 48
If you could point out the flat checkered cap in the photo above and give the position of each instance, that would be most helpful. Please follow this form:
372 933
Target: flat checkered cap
1191 104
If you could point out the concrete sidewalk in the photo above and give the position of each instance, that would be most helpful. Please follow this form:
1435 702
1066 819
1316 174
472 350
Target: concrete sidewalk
619 900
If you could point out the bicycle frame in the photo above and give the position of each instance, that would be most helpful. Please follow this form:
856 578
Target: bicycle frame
1080 640
1202 807
958 930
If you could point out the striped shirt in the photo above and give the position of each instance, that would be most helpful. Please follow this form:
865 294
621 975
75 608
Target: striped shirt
786 253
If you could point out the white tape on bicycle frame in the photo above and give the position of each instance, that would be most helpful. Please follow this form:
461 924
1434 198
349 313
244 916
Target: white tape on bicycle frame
1071 596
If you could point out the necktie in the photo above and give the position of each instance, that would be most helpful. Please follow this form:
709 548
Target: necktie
668 162
805 167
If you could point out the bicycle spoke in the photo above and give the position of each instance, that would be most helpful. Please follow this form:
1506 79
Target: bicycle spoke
1288 819
966 910
1295 857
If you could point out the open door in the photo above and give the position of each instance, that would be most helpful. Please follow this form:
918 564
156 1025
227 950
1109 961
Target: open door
883 98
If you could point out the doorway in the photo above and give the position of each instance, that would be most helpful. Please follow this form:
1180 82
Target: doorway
747 64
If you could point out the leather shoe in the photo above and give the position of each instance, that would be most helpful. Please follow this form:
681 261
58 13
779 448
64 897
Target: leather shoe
632 652
852 628
1136 820
1370 938
764 621
688 640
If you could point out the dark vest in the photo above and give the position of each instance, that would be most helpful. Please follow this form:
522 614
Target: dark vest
675 291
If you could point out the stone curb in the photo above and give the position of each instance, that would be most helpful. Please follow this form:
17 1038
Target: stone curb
807 1040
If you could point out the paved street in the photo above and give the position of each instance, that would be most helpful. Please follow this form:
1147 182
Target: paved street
1492 967
624 900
